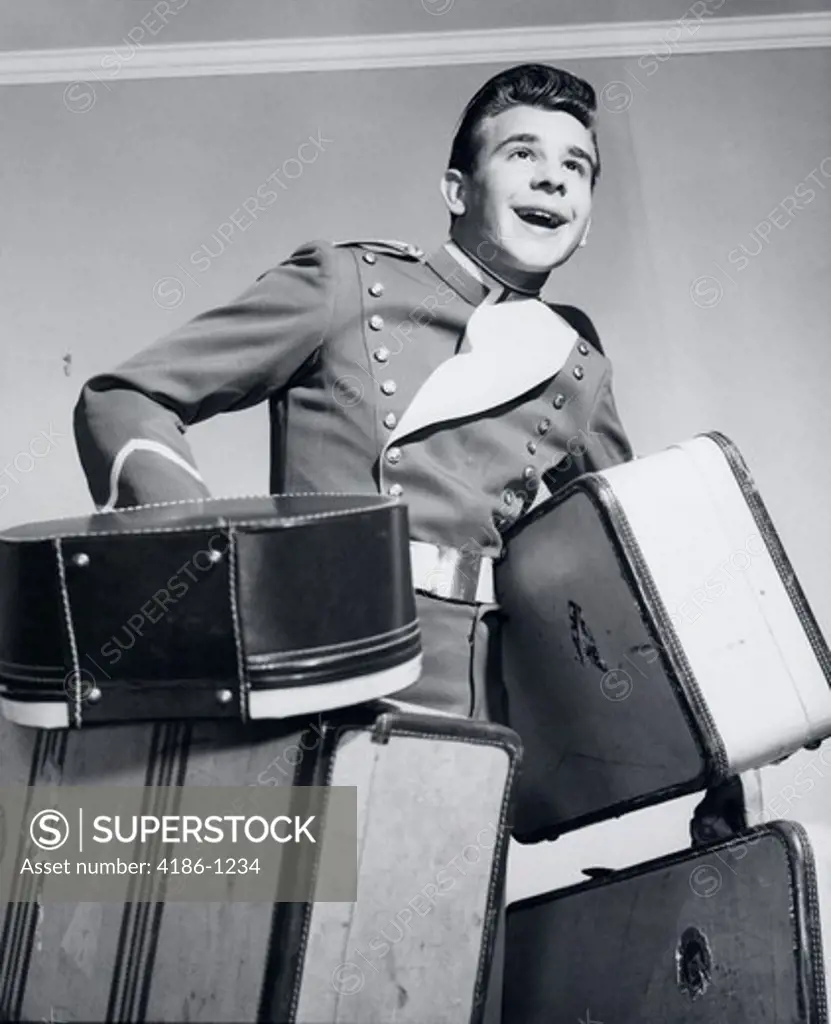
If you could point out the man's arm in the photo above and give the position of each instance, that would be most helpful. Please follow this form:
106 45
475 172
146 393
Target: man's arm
607 443
130 424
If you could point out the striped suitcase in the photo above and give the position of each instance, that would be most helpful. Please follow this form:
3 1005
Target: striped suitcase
733 933
433 801
656 639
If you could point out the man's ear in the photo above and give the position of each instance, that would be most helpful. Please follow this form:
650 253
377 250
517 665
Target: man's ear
453 191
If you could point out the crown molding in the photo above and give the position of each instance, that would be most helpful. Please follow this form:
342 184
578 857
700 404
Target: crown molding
422 49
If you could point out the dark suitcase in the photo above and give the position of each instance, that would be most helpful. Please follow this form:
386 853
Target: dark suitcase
656 640
734 933
433 796
240 608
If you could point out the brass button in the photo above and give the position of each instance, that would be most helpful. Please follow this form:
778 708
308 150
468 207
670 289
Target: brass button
532 447
394 455
507 497
578 372
583 348
543 426
377 290
390 420
370 257
381 354
396 491
558 401
376 322
529 473
389 387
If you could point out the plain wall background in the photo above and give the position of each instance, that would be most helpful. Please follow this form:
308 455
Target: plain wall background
97 207
56 23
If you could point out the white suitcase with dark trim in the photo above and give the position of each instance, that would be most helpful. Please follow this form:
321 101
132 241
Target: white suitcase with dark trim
657 640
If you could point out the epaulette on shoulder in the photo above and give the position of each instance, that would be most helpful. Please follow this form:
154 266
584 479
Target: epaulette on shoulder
385 246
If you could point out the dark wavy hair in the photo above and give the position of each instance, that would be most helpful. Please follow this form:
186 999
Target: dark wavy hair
528 85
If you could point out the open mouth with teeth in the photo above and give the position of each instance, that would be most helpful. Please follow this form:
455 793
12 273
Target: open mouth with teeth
538 217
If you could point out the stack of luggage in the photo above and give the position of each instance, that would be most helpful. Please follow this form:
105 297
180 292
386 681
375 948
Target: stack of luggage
655 643
209 644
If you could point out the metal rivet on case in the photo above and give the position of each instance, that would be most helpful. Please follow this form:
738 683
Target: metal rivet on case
214 555
94 695
81 560
224 696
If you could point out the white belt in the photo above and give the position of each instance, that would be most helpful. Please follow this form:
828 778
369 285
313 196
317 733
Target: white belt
452 574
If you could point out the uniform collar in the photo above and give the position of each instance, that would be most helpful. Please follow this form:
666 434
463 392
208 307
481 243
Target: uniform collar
461 273
474 281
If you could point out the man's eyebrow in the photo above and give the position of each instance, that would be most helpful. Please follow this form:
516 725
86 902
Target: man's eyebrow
581 154
529 138
518 137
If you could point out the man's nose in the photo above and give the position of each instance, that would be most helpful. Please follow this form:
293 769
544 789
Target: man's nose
549 178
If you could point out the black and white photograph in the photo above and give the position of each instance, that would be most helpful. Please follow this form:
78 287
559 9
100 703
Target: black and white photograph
415 561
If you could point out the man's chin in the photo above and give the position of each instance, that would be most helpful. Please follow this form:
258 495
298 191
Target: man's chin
536 257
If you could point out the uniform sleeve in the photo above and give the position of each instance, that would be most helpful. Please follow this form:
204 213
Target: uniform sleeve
602 443
130 424
608 444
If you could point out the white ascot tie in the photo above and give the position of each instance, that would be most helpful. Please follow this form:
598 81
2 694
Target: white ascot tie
514 346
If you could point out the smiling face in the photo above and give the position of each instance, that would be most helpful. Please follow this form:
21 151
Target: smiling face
526 205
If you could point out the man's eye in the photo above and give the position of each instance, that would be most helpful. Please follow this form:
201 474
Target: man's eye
575 165
521 152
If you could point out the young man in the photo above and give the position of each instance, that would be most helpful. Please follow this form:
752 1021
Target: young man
440 379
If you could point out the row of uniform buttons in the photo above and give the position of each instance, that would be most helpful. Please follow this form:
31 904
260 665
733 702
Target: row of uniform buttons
529 473
388 387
